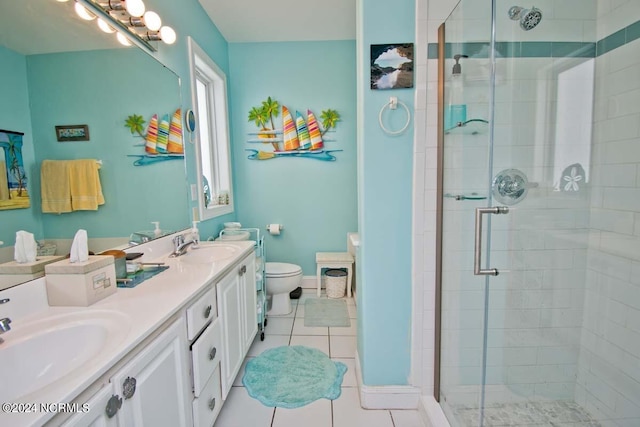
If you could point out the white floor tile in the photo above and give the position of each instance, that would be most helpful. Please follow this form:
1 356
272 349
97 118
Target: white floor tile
270 341
241 410
300 329
319 342
349 379
279 326
345 330
315 414
348 413
406 419
344 346
300 312
238 380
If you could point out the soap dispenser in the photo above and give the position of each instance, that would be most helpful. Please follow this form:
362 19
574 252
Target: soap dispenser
456 111
157 232
195 234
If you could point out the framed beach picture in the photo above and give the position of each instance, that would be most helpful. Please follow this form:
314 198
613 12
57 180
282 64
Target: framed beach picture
392 66
72 133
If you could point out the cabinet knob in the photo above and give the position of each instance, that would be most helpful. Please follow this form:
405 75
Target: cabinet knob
212 353
129 388
207 311
113 406
242 270
212 403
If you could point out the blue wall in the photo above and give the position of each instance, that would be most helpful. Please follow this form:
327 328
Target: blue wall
15 116
79 88
384 206
316 201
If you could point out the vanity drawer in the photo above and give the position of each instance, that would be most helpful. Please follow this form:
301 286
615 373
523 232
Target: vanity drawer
208 405
205 353
200 313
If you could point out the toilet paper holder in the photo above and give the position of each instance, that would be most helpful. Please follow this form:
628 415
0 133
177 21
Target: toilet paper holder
274 228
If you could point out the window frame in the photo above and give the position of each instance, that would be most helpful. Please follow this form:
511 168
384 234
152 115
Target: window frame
202 67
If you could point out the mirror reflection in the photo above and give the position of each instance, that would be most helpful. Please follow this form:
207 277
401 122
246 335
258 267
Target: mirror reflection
13 179
61 71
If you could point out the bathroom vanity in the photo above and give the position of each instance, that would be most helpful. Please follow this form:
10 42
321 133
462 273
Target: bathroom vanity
164 353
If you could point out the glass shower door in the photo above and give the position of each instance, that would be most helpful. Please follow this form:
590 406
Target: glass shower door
517 109
465 150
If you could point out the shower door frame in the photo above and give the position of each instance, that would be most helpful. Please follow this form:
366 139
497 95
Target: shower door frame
439 215
486 271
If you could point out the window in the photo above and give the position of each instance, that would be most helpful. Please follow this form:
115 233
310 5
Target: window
209 98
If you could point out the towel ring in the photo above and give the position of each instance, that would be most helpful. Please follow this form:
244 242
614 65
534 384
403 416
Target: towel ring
393 105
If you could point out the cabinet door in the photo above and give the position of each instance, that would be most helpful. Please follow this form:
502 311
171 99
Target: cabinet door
96 416
250 311
154 385
230 298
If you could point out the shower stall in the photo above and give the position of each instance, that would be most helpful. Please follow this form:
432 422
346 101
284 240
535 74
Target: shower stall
538 267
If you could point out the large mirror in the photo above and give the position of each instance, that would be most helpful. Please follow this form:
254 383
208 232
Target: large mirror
59 70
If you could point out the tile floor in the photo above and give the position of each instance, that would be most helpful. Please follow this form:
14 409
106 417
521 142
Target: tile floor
241 410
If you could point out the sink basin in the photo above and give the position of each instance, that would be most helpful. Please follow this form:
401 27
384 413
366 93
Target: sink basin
40 352
209 253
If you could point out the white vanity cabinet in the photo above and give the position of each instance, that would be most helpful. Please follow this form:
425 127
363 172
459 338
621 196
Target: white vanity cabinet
237 307
154 385
98 414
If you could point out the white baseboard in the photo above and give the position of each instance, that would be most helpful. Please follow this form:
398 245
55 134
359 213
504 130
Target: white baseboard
388 396
308 282
431 412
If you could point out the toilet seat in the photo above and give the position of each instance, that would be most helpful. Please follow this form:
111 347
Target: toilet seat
282 269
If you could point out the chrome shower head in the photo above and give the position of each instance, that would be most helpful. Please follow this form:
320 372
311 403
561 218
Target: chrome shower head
529 18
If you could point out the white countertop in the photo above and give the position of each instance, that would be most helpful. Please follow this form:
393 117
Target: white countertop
146 307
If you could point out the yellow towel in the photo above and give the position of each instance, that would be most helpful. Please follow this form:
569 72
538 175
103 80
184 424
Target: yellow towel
54 186
4 184
84 182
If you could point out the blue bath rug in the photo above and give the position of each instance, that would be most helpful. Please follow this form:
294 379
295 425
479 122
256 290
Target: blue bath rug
291 377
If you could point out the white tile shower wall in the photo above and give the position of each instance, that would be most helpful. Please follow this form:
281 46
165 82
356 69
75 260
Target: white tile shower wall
545 235
608 378
613 15
545 291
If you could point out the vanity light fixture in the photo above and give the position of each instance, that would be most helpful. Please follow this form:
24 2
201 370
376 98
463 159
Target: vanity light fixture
84 13
105 27
129 19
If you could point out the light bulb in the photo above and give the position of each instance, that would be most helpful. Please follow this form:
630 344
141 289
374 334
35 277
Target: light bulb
168 35
84 13
152 20
105 27
123 40
135 7
63 1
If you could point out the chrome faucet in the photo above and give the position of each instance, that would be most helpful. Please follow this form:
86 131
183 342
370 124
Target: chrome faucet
4 327
181 245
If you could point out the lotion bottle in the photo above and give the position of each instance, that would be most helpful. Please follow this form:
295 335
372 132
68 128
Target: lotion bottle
195 233
157 232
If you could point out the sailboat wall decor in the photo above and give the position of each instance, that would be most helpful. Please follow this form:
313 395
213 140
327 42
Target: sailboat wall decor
162 141
298 138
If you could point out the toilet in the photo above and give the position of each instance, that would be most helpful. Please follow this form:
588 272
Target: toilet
282 278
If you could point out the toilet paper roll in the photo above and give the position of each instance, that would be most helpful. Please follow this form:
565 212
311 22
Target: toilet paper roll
274 229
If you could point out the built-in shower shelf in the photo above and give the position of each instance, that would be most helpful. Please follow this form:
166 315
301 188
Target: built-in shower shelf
470 127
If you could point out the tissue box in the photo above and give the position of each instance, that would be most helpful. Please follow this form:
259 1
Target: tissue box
80 283
13 273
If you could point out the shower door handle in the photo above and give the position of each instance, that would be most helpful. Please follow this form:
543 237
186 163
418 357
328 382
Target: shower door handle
477 255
